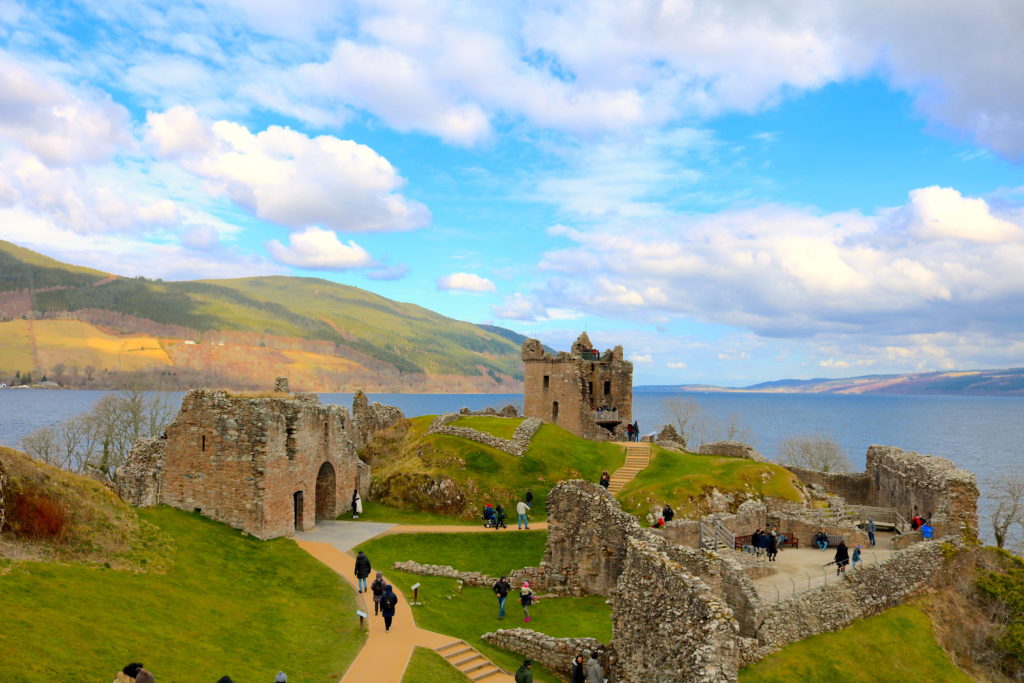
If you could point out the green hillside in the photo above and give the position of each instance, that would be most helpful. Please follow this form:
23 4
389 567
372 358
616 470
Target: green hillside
20 268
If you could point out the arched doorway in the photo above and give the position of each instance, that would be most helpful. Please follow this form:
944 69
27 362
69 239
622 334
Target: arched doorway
326 492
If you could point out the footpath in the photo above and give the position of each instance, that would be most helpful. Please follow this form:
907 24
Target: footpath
385 655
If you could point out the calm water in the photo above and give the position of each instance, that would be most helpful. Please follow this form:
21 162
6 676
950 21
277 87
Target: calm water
982 434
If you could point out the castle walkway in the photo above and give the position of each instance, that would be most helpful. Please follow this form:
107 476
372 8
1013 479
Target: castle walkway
638 456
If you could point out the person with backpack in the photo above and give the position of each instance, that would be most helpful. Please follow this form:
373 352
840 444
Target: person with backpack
387 606
377 588
499 517
526 599
501 589
362 570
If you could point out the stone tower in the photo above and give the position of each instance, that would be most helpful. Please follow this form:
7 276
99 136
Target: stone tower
586 392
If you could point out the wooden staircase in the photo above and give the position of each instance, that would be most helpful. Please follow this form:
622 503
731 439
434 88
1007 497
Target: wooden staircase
471 663
638 455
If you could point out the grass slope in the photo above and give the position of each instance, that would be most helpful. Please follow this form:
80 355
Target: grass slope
897 646
470 612
378 512
682 479
409 465
502 427
229 605
20 266
426 666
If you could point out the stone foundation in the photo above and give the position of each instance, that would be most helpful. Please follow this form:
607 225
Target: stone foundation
517 445
556 654
732 449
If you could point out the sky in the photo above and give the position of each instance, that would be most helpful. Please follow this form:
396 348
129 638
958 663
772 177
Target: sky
735 192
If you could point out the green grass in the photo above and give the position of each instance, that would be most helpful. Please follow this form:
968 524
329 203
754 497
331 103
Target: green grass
426 666
229 604
378 512
897 646
681 479
470 612
501 427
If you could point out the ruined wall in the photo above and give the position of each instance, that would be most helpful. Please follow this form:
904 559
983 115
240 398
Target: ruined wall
852 486
804 524
732 449
556 654
368 419
517 445
750 515
923 484
242 461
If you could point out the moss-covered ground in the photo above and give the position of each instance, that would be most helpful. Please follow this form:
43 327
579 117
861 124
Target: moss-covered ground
897 646
470 612
502 427
426 666
227 605
682 480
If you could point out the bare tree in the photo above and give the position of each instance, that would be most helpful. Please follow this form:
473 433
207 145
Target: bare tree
697 427
814 452
42 444
1008 493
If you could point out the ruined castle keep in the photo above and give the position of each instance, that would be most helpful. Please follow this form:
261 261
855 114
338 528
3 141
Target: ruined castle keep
587 392
268 466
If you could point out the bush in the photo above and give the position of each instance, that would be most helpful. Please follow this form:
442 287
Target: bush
33 514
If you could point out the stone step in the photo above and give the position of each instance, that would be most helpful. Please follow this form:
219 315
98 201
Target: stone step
466 660
476 667
456 643
485 674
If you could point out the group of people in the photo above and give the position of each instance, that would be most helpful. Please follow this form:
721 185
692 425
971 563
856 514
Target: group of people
667 515
137 673
586 668
633 431
843 558
494 517
919 523
767 542
384 598
526 597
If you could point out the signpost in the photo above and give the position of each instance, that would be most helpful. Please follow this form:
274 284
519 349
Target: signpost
415 594
362 619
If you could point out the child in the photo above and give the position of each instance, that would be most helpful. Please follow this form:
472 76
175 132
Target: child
856 557
526 599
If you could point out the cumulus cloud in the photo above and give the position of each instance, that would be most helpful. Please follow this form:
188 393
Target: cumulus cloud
394 272
178 132
642 358
465 282
677 365
316 248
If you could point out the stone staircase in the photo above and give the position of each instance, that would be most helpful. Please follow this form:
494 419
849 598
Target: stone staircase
471 663
638 455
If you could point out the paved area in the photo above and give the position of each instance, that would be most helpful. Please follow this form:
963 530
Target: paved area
344 535
804 569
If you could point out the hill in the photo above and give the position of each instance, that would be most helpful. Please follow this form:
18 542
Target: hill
999 382
60 320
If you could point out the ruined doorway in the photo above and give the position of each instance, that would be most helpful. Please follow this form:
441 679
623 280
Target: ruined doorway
554 412
326 492
297 499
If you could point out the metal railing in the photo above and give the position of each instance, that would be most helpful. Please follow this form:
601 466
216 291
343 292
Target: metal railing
714 535
606 416
811 580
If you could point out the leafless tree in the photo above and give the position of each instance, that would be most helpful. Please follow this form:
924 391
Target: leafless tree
42 444
814 452
697 427
1007 491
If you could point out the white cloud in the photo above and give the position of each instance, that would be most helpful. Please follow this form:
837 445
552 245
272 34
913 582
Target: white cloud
316 248
642 358
677 365
943 213
466 282
178 132
520 307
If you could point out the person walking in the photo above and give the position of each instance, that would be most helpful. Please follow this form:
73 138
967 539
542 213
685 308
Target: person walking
629 431
606 479
927 531
362 570
870 527
773 547
842 558
526 599
357 505
636 431
523 673
281 677
501 589
529 499
377 588
521 509
387 606
499 517
765 537
579 670
856 557
595 674
668 514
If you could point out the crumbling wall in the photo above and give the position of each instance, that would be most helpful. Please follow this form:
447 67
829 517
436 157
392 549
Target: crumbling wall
517 445
851 486
139 478
369 418
732 449
923 484
556 654
803 524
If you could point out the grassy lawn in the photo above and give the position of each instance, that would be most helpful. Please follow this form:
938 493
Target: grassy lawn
426 666
378 512
502 427
229 604
897 646
470 612
682 478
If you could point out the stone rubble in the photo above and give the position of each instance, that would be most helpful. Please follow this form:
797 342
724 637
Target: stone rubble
556 654
517 445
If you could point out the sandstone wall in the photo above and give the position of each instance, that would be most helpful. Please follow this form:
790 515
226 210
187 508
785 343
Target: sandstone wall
369 418
517 445
555 653
852 486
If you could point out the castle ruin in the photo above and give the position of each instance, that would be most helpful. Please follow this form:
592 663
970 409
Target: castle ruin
584 391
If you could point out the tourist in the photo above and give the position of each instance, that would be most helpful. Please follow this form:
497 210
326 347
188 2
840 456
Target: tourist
526 599
362 570
521 509
755 540
579 671
357 505
764 540
668 513
523 673
629 432
871 531
499 517
606 479
529 499
225 679
595 674
387 606
636 431
926 530
281 677
773 546
915 523
144 677
856 557
377 588
488 515
842 558
501 589
128 673
821 539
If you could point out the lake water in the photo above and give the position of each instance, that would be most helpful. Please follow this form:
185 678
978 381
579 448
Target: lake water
982 434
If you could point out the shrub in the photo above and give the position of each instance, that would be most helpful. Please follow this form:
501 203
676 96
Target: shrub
33 514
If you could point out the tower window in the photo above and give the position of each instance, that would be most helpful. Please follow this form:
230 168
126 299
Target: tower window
547 381
607 388
202 445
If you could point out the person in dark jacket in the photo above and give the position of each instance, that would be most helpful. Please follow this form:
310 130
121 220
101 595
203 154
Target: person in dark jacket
763 541
501 589
529 499
636 431
387 606
523 673
606 479
579 671
357 504
871 528
668 513
842 557
377 588
362 570
499 517
773 547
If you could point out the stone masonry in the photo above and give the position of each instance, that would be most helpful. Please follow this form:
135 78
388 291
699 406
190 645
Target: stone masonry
556 654
268 466
516 446
568 389
732 449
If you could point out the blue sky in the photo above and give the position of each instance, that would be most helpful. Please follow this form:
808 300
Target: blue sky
735 192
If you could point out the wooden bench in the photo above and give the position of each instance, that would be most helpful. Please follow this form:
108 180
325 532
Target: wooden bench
741 541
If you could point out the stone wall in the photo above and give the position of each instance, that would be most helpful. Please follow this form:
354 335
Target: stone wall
851 486
750 515
803 524
267 466
368 419
517 445
732 449
556 654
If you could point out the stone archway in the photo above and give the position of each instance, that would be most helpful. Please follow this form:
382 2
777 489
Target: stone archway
326 492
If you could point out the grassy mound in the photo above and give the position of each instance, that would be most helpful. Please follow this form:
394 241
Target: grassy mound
59 516
452 476
685 479
468 612
896 646
502 427
426 666
229 604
